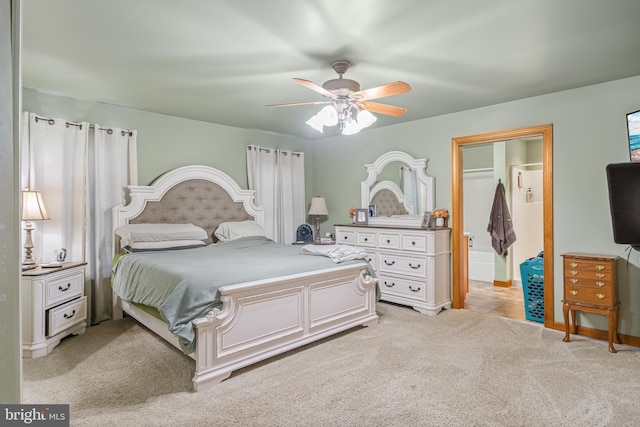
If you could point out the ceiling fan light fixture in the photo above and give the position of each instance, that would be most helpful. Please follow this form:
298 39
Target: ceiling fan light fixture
365 118
316 123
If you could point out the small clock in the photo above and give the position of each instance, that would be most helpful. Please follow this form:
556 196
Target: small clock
304 234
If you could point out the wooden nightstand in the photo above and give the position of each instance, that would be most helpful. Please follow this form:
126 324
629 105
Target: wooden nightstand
591 285
53 306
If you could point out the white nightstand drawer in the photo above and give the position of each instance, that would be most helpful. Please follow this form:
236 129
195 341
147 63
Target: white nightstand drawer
64 287
66 315
389 241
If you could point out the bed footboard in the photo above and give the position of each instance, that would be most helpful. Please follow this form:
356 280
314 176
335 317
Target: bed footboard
265 318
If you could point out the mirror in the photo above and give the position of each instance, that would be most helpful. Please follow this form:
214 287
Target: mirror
399 187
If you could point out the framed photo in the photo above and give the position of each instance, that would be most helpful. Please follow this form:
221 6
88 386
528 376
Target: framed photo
362 216
428 221
372 211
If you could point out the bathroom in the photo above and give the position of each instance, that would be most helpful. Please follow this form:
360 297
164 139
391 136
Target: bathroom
518 165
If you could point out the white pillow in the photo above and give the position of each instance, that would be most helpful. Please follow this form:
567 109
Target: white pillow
164 245
235 230
132 233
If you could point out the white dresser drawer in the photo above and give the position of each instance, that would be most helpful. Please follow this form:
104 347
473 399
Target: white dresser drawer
403 287
402 264
389 241
346 237
366 239
63 288
66 315
372 259
414 243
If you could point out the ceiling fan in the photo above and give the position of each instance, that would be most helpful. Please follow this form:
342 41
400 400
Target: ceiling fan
349 106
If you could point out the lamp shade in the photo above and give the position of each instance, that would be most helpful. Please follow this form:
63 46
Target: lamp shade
32 206
318 206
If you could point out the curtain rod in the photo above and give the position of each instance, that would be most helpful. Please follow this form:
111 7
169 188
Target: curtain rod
268 150
79 125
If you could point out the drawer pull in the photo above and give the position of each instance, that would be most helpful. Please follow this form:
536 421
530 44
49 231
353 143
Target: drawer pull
600 284
345 238
573 272
69 316
414 290
413 243
573 264
600 296
574 281
388 241
600 275
389 263
415 267
573 292
61 289
389 285
366 239
600 267
369 259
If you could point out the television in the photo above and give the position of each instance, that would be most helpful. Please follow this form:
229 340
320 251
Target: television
624 201
633 133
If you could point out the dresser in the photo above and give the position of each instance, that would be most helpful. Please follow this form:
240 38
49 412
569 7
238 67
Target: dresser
591 285
53 306
412 264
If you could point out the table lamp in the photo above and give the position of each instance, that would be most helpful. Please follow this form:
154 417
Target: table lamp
32 210
318 207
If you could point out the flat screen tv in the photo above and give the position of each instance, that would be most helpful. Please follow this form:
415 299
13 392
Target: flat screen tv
624 201
633 132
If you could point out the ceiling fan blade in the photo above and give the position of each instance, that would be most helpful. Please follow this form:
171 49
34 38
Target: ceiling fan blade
299 103
389 89
389 110
311 85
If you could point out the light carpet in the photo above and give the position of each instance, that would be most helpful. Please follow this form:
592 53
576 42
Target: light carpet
459 368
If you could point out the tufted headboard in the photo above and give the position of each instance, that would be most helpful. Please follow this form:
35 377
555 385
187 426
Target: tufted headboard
387 204
199 195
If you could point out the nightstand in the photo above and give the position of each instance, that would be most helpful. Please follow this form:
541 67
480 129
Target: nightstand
591 285
53 306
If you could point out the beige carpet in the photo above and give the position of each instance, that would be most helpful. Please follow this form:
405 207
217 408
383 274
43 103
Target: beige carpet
459 368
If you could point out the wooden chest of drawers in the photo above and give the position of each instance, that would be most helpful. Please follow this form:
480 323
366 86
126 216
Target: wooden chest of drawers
591 285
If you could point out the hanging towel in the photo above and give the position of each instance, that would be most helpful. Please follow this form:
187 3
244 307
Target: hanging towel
500 226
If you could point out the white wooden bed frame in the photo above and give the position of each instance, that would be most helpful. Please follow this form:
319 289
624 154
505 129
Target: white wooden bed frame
260 319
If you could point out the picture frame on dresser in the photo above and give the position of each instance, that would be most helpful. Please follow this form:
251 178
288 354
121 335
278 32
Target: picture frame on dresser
362 216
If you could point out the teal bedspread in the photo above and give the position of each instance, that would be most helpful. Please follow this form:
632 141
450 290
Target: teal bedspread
183 284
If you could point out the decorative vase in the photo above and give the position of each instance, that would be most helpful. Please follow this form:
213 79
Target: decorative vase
353 219
439 222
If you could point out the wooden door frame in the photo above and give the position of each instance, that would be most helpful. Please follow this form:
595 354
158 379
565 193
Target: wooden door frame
457 219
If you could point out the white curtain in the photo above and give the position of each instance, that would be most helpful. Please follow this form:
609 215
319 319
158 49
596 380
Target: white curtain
113 166
277 176
54 162
81 174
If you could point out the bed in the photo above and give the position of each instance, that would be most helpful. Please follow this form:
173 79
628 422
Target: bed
256 319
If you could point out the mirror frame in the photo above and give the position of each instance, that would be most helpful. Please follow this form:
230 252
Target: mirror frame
375 168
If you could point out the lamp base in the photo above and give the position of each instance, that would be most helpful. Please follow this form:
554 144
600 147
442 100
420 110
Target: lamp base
28 245
317 238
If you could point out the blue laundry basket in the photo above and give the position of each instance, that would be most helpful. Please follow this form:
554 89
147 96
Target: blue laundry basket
532 275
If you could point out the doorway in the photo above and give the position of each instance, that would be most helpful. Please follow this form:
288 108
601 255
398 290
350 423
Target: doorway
460 240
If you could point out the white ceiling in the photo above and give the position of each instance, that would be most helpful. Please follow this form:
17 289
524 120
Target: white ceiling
223 61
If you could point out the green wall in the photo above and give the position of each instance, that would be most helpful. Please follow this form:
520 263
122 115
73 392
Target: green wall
589 131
